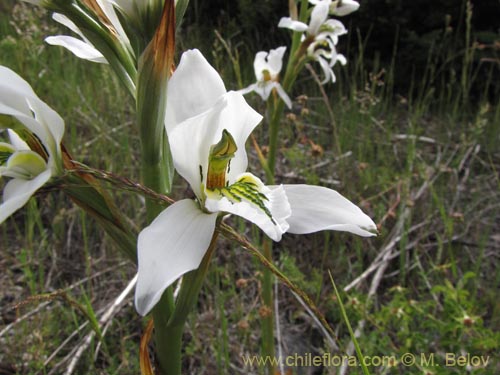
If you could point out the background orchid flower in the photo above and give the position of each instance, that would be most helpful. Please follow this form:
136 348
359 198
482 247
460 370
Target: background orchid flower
324 52
320 37
340 7
28 169
207 129
267 67
319 16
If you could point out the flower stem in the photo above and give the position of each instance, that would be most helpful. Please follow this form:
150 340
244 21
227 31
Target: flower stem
276 109
168 342
267 312
170 318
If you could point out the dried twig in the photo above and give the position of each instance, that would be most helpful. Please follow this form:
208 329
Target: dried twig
105 317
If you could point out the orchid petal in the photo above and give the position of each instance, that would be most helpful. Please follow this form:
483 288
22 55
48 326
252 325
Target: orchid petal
13 81
271 61
77 47
252 88
65 21
109 11
327 71
318 17
16 141
193 89
316 208
340 58
18 99
275 60
173 244
288 23
17 193
283 95
346 7
260 64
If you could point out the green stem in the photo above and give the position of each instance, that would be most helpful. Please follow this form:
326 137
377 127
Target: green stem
152 171
276 107
168 342
267 313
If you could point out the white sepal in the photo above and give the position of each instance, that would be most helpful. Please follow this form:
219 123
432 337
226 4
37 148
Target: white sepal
316 208
193 89
288 23
77 47
173 244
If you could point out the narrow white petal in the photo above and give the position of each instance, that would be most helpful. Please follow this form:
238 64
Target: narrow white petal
318 17
193 88
278 206
172 245
16 141
63 20
327 71
336 27
260 64
77 47
283 95
347 7
275 60
248 89
109 11
288 23
340 58
17 192
316 208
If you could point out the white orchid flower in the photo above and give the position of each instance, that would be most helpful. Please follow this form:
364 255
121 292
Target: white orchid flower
319 16
207 129
321 36
83 48
324 52
22 111
267 67
319 24
340 7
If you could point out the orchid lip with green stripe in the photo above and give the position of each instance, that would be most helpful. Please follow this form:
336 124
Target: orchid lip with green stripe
246 188
207 129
